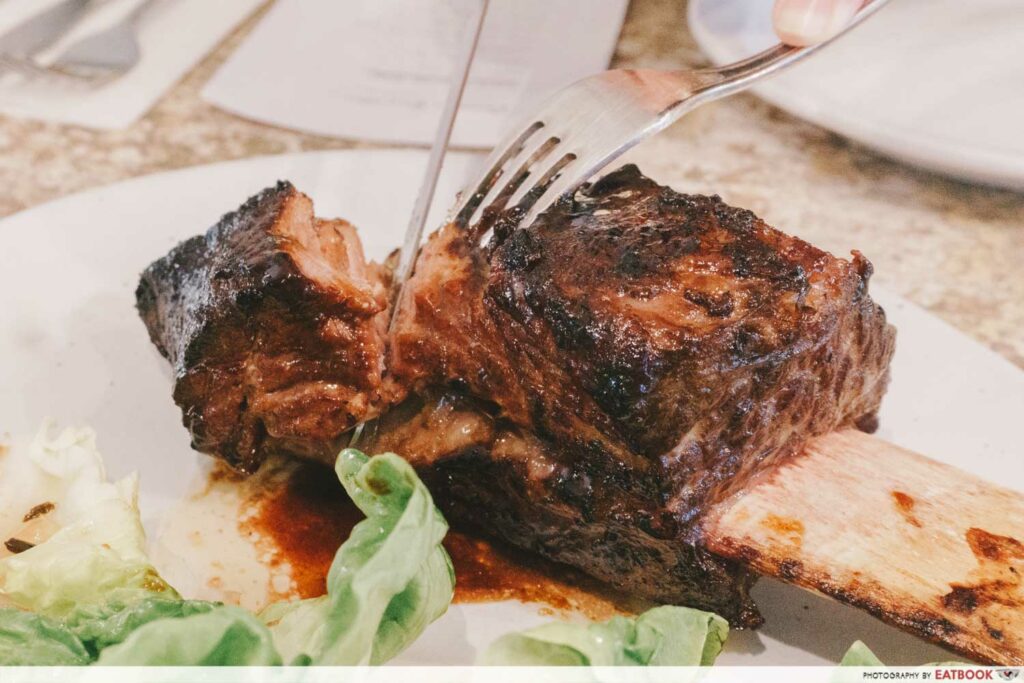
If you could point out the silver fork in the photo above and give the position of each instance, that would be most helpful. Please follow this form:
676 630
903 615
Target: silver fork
593 121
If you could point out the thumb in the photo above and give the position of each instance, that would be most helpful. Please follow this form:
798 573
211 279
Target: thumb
806 22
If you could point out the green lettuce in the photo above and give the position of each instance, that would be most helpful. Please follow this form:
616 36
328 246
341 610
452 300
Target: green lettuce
31 639
663 636
97 554
99 627
860 654
88 591
388 581
91 577
223 636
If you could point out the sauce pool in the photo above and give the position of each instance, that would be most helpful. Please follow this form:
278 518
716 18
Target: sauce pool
310 516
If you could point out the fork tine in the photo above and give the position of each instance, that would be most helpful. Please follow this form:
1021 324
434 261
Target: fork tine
495 166
551 185
596 119
518 170
544 176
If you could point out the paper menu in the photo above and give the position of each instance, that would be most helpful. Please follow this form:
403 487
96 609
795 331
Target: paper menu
379 69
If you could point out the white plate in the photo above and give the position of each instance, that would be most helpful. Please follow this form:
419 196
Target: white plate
72 347
936 83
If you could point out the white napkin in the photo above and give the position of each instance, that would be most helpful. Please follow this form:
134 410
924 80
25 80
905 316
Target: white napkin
380 69
173 36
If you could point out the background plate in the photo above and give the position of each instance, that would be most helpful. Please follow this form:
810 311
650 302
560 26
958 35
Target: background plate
72 347
936 83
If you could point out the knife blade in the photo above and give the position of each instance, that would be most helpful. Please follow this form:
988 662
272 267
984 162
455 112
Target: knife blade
414 232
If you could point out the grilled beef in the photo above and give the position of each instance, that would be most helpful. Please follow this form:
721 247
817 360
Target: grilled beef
585 387
274 325
662 347
492 478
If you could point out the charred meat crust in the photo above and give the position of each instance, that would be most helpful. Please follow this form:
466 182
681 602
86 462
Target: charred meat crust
490 478
609 549
273 323
625 370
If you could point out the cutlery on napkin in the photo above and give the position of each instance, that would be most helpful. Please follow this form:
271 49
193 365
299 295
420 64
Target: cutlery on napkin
172 36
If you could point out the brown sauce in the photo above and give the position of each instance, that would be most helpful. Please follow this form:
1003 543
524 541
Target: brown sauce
989 546
996 585
789 528
309 515
305 520
905 504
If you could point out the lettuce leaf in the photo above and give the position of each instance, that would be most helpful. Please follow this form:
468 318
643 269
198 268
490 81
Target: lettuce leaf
860 654
387 582
91 573
97 554
87 590
223 636
99 627
30 639
663 636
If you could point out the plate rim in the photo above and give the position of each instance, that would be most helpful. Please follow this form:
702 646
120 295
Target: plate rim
223 164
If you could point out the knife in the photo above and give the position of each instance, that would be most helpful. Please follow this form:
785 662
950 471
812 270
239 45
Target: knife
414 231
43 29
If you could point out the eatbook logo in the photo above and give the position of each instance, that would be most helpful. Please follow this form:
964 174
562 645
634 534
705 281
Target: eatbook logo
965 673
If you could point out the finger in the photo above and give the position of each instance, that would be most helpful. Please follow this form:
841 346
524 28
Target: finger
806 22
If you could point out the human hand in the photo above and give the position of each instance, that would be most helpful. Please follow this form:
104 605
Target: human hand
806 22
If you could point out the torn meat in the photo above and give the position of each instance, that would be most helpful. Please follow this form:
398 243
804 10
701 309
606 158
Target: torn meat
274 324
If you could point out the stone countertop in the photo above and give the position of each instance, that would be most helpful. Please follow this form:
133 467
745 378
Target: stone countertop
953 248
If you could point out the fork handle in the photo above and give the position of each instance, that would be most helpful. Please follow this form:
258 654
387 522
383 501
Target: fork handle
729 78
